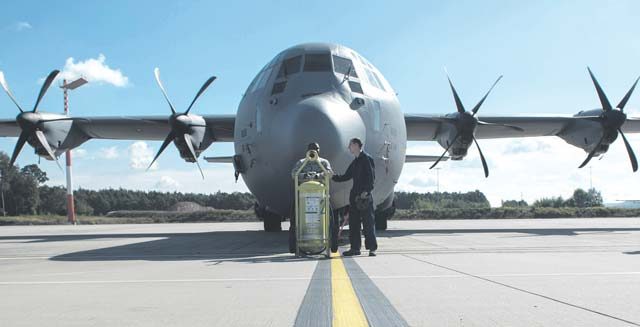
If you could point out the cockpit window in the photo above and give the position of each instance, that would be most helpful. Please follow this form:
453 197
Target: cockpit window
290 66
317 63
372 79
355 87
344 66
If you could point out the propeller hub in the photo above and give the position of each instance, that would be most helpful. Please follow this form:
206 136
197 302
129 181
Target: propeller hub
180 122
28 120
613 119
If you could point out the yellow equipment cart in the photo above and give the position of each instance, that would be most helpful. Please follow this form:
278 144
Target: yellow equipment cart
312 206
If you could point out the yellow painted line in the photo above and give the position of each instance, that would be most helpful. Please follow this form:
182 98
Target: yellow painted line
347 310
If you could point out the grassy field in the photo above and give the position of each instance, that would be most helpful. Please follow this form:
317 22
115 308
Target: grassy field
148 217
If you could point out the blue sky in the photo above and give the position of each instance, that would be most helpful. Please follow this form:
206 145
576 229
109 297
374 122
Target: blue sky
542 48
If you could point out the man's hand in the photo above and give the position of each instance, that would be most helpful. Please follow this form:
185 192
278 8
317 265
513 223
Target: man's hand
364 194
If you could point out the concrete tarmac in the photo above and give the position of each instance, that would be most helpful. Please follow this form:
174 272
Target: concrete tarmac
543 272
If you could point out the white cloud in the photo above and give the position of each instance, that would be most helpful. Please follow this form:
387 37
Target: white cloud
423 181
93 70
140 156
184 178
79 153
109 153
18 26
167 182
530 168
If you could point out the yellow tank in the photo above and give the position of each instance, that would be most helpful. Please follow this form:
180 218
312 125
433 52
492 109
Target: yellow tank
313 217
312 211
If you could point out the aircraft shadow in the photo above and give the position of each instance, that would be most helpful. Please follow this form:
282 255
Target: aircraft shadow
239 246
529 231
249 246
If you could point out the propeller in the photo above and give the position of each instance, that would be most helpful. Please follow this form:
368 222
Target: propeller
611 121
30 122
179 122
466 122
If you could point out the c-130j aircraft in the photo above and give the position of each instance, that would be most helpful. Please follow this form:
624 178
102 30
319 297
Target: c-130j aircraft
324 93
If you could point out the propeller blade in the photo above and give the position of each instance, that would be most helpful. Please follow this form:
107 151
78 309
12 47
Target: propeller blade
22 139
519 129
632 156
445 151
5 86
156 72
624 100
475 109
45 144
45 87
592 153
484 162
202 89
606 105
164 145
187 139
459 104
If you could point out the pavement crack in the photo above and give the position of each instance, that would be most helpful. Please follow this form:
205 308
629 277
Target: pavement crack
523 290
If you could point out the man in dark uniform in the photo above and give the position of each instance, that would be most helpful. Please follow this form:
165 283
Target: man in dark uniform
362 171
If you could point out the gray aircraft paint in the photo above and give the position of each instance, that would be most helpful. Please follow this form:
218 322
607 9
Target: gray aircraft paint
272 131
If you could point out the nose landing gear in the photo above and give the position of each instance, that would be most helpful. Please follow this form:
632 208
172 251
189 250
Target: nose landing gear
272 222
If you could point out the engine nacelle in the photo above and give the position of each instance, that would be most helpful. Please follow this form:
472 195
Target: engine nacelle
194 131
58 133
459 149
586 134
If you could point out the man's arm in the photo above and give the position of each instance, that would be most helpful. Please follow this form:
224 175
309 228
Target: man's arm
295 168
347 175
327 166
368 168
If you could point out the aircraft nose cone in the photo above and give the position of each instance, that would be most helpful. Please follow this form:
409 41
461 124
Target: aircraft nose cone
330 124
323 120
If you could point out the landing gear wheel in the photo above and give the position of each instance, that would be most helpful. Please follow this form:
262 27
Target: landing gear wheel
381 222
272 222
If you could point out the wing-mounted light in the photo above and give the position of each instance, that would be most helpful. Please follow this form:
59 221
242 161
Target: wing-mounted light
462 125
188 131
33 124
611 121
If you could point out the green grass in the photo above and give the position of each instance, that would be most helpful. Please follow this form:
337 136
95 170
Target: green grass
148 217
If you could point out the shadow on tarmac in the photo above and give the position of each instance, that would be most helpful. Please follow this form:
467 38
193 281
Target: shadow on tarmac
238 246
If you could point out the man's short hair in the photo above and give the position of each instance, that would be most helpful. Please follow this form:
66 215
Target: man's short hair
313 146
357 141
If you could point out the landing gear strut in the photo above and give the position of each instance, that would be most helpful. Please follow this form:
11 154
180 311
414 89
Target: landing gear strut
272 222
382 216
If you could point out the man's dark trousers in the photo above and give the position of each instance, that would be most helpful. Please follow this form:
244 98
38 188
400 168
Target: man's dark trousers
364 217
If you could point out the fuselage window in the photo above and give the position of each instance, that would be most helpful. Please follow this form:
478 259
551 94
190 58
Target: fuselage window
379 81
254 83
355 87
278 87
344 66
372 80
290 66
317 63
263 79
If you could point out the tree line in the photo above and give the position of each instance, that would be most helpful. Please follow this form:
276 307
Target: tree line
24 193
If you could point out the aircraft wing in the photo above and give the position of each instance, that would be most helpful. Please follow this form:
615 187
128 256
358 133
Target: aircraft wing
9 128
410 158
151 128
144 128
426 127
